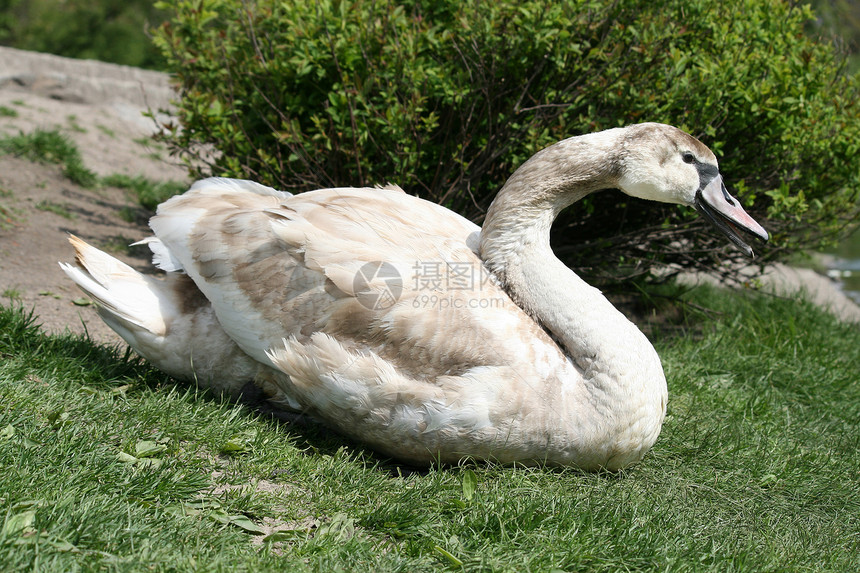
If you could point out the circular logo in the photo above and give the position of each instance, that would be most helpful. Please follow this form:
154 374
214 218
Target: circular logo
377 285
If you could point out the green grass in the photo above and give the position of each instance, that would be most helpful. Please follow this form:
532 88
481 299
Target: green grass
72 120
8 215
106 130
106 464
7 111
149 194
147 141
56 208
50 146
53 147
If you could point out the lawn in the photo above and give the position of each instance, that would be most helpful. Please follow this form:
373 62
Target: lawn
106 464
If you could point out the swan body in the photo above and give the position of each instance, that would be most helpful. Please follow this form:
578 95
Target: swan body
404 325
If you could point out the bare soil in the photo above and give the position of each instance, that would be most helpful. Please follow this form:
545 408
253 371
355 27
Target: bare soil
100 107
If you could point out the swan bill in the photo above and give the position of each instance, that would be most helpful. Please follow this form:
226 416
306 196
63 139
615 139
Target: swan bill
727 215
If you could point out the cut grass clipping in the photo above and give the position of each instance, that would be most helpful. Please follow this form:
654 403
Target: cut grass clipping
50 146
107 464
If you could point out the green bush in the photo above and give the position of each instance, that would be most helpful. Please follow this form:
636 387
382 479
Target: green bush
108 30
447 98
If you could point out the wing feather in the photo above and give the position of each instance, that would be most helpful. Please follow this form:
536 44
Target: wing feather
277 268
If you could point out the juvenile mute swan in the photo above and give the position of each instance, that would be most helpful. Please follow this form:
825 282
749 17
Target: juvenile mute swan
400 323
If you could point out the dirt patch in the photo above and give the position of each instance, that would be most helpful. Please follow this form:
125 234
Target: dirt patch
101 108
43 209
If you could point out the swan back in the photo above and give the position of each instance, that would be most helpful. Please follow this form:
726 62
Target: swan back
274 269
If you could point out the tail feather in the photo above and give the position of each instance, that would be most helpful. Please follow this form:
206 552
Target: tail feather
167 321
124 293
162 257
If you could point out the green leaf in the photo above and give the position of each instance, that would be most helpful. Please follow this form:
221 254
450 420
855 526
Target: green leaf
194 507
60 544
58 417
287 535
148 449
27 443
245 523
341 527
470 484
449 557
239 520
7 432
126 458
19 523
239 444
151 463
234 446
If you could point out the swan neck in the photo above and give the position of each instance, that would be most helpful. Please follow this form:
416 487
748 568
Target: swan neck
622 388
556 177
515 239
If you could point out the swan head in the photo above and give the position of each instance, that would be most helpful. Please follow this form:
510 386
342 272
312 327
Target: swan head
662 163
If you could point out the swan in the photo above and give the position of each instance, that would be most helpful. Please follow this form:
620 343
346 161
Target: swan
407 327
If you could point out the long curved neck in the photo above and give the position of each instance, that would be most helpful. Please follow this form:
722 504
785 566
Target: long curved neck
619 397
522 213
515 244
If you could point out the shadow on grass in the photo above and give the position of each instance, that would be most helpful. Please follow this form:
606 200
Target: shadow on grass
86 363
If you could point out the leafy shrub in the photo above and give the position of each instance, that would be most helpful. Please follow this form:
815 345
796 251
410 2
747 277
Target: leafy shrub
447 98
108 30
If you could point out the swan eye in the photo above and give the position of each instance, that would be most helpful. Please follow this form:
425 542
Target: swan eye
688 157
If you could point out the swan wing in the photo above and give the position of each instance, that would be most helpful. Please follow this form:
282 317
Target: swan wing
373 303
377 269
